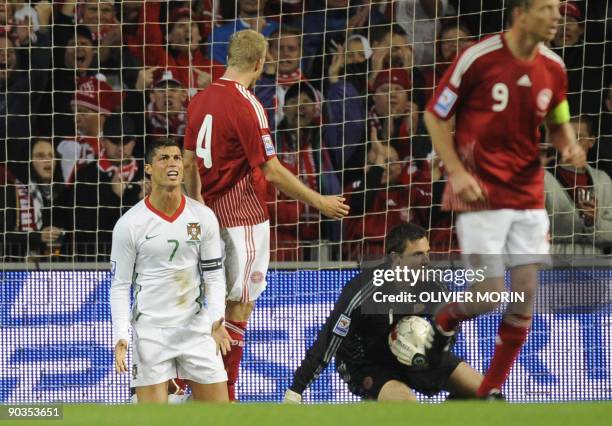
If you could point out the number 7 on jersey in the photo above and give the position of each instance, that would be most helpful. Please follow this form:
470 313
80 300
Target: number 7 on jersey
205 135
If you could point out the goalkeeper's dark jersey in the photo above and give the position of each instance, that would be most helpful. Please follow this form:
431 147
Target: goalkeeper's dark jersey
356 339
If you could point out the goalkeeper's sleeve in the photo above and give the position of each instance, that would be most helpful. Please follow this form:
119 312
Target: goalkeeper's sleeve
123 257
330 337
211 266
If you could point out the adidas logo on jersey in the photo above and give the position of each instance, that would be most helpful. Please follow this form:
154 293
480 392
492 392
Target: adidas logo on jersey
524 81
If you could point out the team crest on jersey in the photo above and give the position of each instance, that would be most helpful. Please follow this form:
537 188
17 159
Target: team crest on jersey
544 98
257 277
193 230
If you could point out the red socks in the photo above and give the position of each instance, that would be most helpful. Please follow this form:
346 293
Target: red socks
232 360
512 334
450 315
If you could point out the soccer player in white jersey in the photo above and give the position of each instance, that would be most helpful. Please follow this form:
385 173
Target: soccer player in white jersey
168 248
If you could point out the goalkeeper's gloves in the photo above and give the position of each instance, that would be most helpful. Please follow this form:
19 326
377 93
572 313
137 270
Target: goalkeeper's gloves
292 397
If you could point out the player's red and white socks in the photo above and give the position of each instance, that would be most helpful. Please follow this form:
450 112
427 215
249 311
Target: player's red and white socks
450 315
236 330
512 333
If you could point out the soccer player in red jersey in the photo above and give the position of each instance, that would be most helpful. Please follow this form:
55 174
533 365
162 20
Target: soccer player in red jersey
228 142
500 91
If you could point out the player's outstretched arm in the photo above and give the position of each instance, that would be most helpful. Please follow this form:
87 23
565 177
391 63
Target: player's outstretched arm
123 257
330 205
462 183
191 177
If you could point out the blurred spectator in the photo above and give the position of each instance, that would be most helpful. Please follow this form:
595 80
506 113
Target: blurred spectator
132 20
33 216
352 61
250 15
183 55
391 49
7 214
76 59
346 110
454 36
99 17
568 44
281 71
166 111
300 148
420 20
583 65
80 54
394 115
483 17
92 102
29 22
21 92
602 152
328 23
6 16
426 180
579 202
106 188
378 203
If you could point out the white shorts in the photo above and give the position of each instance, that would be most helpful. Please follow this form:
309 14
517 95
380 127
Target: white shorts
247 255
163 353
500 238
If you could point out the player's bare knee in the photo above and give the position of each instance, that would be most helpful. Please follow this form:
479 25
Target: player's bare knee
212 392
394 390
152 394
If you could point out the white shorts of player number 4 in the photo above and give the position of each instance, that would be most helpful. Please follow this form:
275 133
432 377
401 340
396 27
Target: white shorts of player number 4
503 238
164 353
247 255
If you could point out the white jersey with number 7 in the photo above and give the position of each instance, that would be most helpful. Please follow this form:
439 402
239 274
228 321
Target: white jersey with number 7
173 262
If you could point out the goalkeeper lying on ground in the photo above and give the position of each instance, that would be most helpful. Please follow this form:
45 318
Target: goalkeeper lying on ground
358 338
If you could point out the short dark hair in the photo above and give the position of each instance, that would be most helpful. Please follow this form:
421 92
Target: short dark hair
583 118
378 32
286 31
398 237
154 145
300 87
83 31
513 4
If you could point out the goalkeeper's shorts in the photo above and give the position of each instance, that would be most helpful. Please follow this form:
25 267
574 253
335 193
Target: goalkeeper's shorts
367 381
247 255
163 353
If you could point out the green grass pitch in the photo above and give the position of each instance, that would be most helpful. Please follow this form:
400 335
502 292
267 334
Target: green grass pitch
448 414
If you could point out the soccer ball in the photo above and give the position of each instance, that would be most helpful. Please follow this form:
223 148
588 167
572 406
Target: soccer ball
408 340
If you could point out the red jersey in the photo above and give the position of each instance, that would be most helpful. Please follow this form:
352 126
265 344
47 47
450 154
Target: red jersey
228 129
499 102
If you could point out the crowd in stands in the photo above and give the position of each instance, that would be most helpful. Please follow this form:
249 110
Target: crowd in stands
85 84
